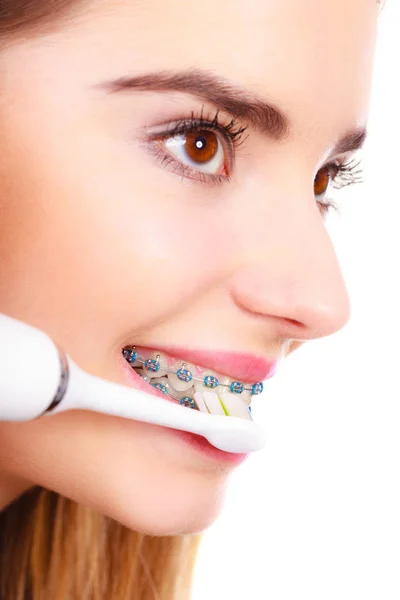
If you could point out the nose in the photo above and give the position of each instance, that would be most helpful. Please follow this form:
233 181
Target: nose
291 275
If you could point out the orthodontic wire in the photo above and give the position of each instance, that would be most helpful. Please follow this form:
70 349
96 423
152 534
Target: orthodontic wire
143 362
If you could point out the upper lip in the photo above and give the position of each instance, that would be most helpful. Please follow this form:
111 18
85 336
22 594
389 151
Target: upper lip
247 368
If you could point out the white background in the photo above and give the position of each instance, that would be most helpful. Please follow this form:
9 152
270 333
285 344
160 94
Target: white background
316 515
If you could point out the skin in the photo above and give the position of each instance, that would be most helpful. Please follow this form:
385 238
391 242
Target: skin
100 246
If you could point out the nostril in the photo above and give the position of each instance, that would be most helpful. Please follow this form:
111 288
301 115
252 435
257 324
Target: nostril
292 329
294 322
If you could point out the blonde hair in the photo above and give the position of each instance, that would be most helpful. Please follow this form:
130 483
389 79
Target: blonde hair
50 547
54 549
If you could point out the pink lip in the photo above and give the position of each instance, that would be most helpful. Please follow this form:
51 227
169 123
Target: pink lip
242 367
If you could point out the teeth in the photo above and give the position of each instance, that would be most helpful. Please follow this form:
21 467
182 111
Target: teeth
234 406
177 380
188 403
211 380
130 355
178 395
244 396
213 393
161 383
154 366
183 393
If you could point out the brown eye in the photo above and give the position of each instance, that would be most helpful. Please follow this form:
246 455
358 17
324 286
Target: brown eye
322 180
200 150
201 146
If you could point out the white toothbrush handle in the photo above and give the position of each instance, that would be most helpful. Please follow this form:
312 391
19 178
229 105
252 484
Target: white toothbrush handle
30 371
36 378
88 392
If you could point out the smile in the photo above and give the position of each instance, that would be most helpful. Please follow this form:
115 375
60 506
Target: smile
193 386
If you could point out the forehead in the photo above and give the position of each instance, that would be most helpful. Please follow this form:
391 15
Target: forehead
311 57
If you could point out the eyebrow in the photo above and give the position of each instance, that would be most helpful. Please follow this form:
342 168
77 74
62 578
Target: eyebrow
227 96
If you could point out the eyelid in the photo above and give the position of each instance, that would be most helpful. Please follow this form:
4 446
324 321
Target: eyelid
229 134
181 127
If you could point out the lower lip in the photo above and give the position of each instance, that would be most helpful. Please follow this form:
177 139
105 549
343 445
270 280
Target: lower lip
197 442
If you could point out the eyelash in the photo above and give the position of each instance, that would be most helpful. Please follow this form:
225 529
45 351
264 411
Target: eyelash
232 135
345 174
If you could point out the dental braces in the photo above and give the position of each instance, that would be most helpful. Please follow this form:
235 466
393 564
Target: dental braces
183 374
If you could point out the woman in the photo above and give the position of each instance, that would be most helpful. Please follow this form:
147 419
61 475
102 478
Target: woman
166 170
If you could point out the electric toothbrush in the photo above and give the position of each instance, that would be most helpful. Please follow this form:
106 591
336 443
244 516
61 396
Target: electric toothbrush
38 379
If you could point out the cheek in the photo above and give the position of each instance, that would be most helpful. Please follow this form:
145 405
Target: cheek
89 251
107 240
134 473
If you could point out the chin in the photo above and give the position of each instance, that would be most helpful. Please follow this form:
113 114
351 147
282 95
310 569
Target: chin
186 510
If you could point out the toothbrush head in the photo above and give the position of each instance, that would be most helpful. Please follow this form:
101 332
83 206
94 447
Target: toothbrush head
233 434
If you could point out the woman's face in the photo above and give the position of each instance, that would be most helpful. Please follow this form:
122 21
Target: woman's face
208 244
